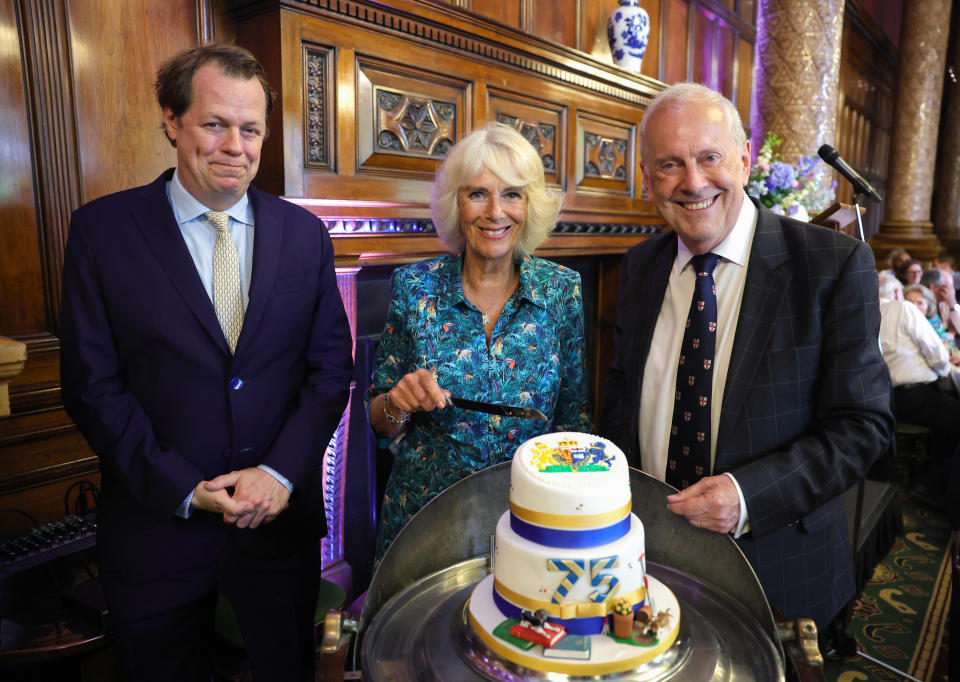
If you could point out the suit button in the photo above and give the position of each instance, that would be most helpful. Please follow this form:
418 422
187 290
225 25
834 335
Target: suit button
226 454
236 383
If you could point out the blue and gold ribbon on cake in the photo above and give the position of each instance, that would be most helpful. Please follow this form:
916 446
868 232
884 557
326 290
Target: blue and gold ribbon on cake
570 530
579 618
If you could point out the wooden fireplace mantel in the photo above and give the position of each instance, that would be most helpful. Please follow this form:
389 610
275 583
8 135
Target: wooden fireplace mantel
373 94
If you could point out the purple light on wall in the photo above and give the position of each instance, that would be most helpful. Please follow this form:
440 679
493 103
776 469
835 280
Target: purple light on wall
346 203
705 59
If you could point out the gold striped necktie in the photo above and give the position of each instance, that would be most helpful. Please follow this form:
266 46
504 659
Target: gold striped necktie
227 295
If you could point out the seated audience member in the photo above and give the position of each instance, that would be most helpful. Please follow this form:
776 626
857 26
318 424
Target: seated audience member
919 368
946 263
488 322
940 284
894 259
909 271
926 303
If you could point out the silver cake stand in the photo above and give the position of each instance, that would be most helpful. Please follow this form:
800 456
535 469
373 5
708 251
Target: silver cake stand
414 623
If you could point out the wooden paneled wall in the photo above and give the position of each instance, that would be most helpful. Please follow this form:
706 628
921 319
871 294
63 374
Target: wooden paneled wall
709 41
865 108
372 98
80 121
352 74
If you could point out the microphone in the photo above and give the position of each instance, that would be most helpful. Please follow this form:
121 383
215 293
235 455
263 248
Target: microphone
860 185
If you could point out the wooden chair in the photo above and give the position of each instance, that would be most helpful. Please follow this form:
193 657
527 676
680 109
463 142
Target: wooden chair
913 447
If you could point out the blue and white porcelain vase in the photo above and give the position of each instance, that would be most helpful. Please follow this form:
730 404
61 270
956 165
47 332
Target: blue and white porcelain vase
628 30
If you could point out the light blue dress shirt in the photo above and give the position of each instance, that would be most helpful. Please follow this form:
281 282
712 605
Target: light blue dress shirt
200 236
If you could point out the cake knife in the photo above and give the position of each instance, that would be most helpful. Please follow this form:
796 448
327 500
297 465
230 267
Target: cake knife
497 408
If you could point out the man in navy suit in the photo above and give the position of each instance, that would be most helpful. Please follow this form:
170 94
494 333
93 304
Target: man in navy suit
210 421
798 400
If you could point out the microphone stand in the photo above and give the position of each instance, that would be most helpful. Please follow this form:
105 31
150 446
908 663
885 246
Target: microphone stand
856 208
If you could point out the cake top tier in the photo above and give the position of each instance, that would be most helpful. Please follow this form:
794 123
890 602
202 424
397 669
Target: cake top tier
570 474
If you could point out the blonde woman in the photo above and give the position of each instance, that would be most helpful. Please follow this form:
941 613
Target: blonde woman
488 322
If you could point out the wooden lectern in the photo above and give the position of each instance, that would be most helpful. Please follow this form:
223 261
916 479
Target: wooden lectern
841 217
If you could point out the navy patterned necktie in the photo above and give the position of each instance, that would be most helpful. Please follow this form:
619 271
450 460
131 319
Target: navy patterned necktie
688 456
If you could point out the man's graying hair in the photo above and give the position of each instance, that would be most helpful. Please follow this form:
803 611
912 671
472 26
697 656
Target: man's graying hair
681 94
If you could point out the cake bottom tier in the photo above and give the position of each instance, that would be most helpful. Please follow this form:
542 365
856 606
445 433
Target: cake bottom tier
574 585
607 655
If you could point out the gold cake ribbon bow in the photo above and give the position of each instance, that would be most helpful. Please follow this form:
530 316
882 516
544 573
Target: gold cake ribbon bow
583 609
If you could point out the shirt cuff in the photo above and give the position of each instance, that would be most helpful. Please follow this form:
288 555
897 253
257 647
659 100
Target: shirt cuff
277 475
183 511
743 524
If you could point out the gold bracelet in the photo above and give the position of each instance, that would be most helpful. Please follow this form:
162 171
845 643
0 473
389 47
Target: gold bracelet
402 419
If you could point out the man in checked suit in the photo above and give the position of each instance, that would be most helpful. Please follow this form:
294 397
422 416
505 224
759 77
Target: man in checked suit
206 357
798 401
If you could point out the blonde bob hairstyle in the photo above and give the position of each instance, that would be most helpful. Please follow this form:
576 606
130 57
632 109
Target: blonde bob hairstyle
508 155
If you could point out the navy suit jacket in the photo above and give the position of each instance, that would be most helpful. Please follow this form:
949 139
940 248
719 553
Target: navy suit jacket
149 380
806 406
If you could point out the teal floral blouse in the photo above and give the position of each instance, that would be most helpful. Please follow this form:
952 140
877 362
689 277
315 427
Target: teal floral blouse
535 359
941 330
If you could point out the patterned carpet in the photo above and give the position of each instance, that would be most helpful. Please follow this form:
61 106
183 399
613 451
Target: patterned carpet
901 618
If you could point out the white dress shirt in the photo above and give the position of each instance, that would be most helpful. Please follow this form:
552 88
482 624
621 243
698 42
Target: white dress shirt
660 370
911 346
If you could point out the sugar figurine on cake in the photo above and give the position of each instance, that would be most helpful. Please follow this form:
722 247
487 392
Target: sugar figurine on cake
646 626
534 627
623 617
570 547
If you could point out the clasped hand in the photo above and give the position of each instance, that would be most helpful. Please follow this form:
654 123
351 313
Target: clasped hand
257 497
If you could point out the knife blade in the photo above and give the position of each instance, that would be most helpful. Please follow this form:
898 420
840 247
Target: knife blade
497 408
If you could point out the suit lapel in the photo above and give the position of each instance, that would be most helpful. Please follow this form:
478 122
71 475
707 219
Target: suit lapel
267 238
768 276
155 218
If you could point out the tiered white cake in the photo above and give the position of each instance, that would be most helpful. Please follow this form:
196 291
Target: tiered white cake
570 545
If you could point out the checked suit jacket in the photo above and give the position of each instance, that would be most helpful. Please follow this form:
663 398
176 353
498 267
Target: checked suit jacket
149 380
806 406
